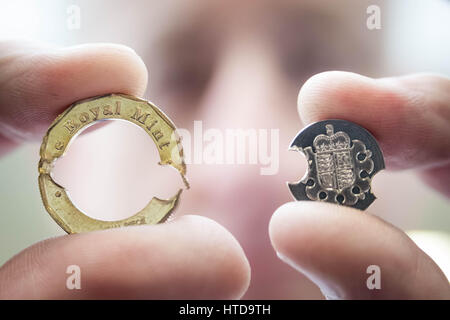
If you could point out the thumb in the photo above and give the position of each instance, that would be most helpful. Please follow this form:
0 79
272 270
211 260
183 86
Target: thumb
335 246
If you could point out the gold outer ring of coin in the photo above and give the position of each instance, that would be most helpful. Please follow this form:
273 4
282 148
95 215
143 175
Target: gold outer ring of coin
79 116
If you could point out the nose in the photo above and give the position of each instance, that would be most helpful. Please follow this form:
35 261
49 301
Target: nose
245 92
243 86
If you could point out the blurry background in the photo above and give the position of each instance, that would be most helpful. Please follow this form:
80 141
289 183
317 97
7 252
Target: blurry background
414 37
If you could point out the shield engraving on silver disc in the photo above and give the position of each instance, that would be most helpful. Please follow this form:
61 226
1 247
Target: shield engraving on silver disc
340 168
337 168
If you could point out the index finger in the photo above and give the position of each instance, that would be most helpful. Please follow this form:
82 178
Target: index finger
38 81
409 116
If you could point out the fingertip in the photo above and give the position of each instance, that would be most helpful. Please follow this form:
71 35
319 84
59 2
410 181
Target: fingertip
322 90
298 221
38 82
302 234
87 70
117 61
278 223
379 105
335 245
220 267
191 257
231 256
407 115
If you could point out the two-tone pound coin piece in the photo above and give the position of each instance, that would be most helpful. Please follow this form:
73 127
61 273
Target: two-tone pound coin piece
342 159
85 113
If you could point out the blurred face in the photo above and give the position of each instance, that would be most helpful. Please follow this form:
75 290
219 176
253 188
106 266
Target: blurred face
231 65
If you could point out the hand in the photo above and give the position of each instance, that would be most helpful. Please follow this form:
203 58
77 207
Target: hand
189 258
333 245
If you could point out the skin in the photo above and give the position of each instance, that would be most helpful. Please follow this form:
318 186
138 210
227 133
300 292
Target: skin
201 258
